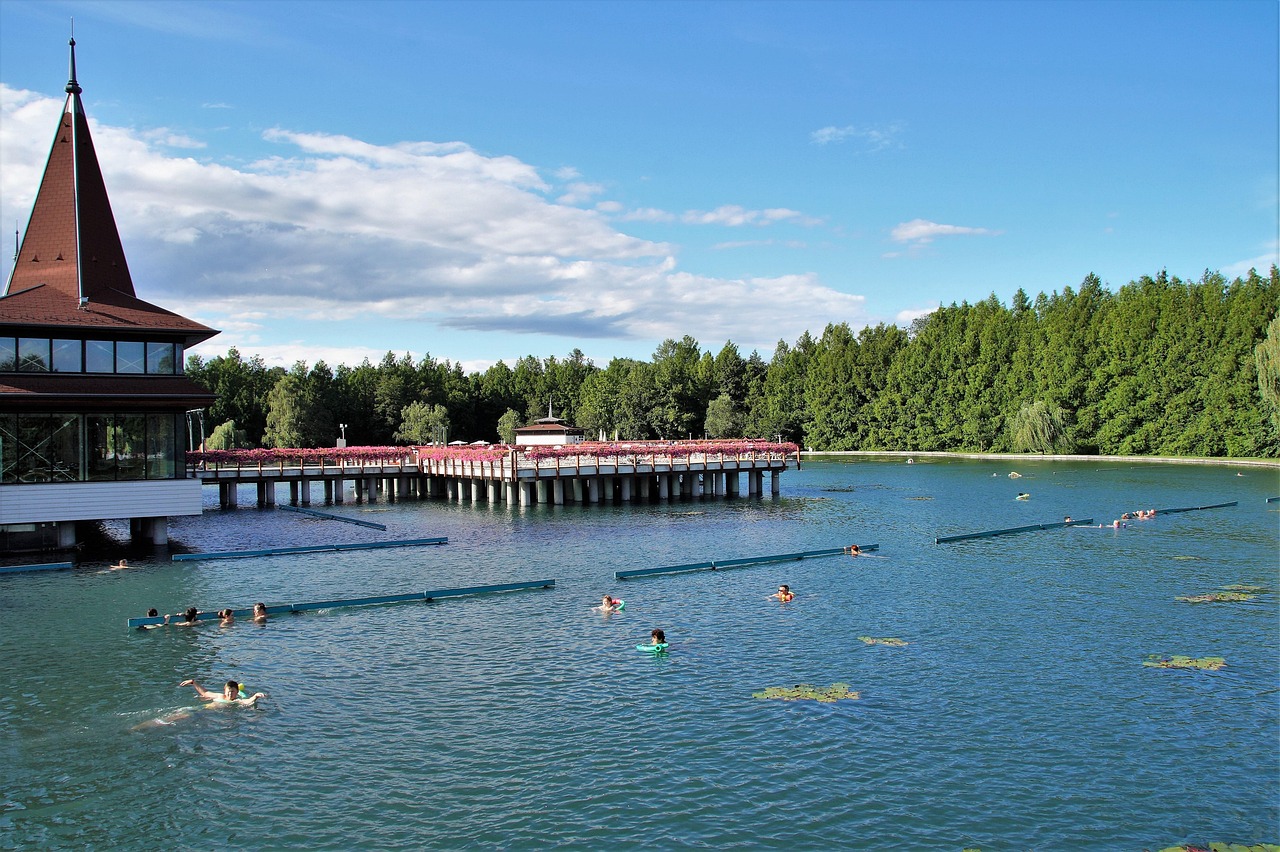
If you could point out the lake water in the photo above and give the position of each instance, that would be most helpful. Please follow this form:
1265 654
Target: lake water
1019 715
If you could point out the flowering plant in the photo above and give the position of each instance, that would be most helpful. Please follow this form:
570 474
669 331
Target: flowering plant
302 455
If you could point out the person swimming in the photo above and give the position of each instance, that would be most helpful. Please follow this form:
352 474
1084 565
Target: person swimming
190 618
657 636
231 694
611 604
120 566
259 613
853 550
784 593
227 616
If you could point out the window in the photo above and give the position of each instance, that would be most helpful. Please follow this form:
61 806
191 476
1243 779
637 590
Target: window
99 356
100 441
161 446
8 354
33 354
131 446
130 356
66 356
160 358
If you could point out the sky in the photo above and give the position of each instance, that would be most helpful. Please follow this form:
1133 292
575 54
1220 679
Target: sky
481 181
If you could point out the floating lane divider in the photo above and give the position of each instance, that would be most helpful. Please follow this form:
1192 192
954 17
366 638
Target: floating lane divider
1273 499
311 548
736 563
281 609
48 566
943 539
1196 508
329 516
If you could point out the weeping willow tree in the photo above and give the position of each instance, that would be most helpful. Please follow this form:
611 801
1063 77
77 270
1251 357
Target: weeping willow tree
1039 427
1267 357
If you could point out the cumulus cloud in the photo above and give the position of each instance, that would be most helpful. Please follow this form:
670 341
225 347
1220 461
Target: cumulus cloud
868 138
922 231
334 228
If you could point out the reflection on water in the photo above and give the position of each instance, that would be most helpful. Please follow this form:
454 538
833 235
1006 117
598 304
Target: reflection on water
1017 716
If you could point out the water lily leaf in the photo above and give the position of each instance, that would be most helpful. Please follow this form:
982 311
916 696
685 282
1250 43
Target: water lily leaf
1178 661
894 643
1245 587
808 692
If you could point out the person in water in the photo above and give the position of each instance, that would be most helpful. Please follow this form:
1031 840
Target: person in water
120 566
853 550
657 636
784 593
227 616
151 613
231 694
611 604
190 618
259 613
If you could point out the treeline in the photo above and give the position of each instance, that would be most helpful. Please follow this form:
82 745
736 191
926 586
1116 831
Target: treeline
1160 367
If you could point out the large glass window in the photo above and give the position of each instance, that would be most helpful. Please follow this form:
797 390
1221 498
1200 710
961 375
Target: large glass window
160 358
99 356
161 446
64 448
130 356
8 448
33 447
66 356
100 443
8 354
131 446
33 354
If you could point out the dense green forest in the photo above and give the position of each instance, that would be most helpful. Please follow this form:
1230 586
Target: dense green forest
1160 367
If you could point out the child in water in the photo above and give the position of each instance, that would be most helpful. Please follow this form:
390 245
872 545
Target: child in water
610 604
657 637
259 613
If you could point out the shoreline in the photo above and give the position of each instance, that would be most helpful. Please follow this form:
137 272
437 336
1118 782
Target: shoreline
1262 463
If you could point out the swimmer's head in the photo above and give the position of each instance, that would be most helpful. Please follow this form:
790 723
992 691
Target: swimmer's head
230 690
658 635
191 613
152 613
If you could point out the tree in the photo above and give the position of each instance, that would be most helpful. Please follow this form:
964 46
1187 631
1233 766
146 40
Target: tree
423 423
507 424
296 417
724 420
1039 428
226 437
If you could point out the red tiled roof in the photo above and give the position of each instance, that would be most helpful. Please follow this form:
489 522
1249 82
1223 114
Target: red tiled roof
552 428
72 249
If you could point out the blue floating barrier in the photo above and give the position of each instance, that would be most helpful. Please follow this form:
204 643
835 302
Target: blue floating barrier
329 516
47 566
1196 508
944 539
735 563
337 603
315 548
1273 499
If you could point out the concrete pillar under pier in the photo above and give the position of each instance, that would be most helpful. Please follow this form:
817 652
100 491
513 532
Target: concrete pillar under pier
686 484
526 493
304 492
266 494
226 495
293 493
578 489
337 490
775 483
608 489
512 496
717 484
664 486
731 483
557 492
755 483
149 530
475 490
626 489
371 489
491 491
695 484
644 482
593 489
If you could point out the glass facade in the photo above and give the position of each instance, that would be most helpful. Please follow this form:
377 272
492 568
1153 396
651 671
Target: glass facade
133 357
89 447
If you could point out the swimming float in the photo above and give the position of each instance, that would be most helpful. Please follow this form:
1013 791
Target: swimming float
652 649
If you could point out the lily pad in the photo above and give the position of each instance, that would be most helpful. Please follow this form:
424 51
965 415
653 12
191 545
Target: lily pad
895 643
808 692
1217 597
1180 662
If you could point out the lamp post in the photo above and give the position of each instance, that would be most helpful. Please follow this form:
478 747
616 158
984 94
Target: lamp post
342 442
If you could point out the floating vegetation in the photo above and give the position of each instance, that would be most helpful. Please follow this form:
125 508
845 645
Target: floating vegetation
1217 597
893 643
1224 847
1191 558
919 498
842 489
1179 662
1244 587
808 692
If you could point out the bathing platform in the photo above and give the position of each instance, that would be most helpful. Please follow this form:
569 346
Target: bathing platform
590 472
281 609
738 563
309 548
944 539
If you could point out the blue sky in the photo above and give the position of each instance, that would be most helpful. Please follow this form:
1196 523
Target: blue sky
482 181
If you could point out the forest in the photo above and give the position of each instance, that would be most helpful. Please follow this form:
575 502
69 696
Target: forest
1161 367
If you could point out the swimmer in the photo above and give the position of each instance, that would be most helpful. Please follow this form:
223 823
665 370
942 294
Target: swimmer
853 550
784 593
611 604
227 616
1067 519
151 613
657 637
259 613
230 694
189 618
1015 475
1022 495
120 566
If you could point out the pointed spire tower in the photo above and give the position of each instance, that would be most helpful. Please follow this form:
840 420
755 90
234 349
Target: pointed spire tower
70 260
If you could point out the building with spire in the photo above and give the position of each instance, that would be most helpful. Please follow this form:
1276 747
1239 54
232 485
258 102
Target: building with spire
93 400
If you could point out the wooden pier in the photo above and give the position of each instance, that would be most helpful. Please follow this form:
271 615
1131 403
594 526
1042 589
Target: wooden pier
639 472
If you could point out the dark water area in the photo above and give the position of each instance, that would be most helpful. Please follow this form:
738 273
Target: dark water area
1019 714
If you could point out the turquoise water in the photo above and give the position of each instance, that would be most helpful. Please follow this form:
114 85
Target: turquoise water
1019 716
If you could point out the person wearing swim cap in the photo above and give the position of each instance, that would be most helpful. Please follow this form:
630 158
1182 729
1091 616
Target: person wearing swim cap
784 593
230 694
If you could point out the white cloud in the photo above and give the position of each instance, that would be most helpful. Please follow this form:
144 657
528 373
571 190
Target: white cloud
1262 263
905 317
431 235
733 216
580 192
869 138
922 231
